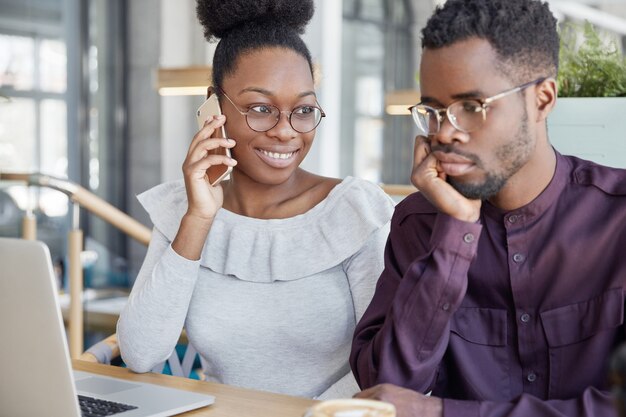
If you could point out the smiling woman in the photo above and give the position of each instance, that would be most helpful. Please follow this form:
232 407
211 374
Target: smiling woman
277 79
270 270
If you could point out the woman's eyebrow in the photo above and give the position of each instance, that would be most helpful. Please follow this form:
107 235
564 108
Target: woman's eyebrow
268 93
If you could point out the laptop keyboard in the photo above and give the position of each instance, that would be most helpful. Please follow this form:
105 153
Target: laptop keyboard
94 407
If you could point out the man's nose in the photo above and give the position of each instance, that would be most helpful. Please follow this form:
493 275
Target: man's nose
448 133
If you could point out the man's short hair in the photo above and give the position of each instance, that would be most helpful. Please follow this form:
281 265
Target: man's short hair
522 32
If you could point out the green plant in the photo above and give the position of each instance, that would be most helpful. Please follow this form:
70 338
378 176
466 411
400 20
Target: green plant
594 68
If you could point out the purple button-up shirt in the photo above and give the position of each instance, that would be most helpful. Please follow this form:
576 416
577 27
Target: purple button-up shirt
516 315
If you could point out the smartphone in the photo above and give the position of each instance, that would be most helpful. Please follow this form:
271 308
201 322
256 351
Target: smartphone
210 108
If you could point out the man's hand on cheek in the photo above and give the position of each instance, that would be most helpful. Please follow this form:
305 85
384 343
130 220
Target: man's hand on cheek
430 180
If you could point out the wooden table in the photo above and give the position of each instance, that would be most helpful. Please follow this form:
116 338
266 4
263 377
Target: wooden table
229 401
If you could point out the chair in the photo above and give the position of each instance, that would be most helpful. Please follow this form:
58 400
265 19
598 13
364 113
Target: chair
182 361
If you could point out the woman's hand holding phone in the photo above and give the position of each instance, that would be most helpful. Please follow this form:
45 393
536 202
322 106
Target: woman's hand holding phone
207 163
204 199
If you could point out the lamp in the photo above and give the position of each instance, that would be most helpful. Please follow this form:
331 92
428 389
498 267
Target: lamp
184 81
398 102
194 80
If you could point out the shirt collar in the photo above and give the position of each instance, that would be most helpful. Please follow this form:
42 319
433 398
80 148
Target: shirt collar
544 200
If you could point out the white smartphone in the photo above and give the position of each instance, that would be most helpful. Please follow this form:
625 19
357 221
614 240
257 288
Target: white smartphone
210 108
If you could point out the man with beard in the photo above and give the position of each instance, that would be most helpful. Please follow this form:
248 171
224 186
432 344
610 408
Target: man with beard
503 287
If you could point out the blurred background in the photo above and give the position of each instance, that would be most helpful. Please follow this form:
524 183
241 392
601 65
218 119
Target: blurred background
103 93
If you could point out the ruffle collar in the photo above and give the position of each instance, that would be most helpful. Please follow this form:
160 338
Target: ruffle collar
260 250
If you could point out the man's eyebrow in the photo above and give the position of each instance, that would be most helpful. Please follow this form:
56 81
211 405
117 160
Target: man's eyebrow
268 93
469 94
429 100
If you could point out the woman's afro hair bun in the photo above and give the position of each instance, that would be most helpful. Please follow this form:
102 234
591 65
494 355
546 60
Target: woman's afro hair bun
219 17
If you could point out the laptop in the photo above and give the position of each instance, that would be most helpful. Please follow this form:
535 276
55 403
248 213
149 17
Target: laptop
36 376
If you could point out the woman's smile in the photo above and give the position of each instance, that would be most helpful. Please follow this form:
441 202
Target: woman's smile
277 158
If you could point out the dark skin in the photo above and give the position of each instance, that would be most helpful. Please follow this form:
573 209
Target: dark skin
258 189
266 181
466 67
513 143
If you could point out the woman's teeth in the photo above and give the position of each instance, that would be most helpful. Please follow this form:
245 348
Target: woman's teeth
277 155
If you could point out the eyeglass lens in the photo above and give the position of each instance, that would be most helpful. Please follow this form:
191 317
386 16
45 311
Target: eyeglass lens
464 115
303 119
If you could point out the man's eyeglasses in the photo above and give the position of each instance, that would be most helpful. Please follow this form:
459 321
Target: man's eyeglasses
263 117
466 115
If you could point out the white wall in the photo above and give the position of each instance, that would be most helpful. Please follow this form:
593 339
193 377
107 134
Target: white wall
323 37
182 44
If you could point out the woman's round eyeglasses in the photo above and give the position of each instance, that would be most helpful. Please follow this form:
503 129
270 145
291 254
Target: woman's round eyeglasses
263 117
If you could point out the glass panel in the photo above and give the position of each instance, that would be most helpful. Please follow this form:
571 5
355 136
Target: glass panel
349 7
362 98
378 58
369 96
52 66
368 149
53 203
373 10
17 135
401 12
104 169
54 138
11 211
17 62
368 144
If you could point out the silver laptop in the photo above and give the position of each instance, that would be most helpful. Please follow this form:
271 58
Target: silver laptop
36 377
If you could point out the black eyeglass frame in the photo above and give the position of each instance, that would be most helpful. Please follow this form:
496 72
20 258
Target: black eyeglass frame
484 104
280 112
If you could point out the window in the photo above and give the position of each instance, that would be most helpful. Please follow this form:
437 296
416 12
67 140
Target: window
33 116
33 131
378 57
63 113
33 122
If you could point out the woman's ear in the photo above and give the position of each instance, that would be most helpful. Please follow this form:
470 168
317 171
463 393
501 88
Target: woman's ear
546 93
210 90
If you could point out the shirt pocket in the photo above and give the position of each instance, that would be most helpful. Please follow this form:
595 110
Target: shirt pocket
477 355
580 337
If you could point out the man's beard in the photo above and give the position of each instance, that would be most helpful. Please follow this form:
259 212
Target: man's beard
483 191
512 155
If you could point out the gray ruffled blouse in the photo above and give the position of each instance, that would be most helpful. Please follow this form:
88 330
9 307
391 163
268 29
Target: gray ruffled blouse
271 304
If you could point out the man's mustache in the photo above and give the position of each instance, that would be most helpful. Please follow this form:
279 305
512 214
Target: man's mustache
447 148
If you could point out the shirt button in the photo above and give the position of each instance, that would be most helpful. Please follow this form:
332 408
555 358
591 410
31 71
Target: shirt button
513 219
525 318
445 307
531 377
468 238
518 257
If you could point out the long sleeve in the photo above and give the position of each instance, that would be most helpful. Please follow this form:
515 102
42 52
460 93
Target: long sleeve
404 333
151 322
362 270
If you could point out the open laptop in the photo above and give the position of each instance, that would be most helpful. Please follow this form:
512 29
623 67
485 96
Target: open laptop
36 377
